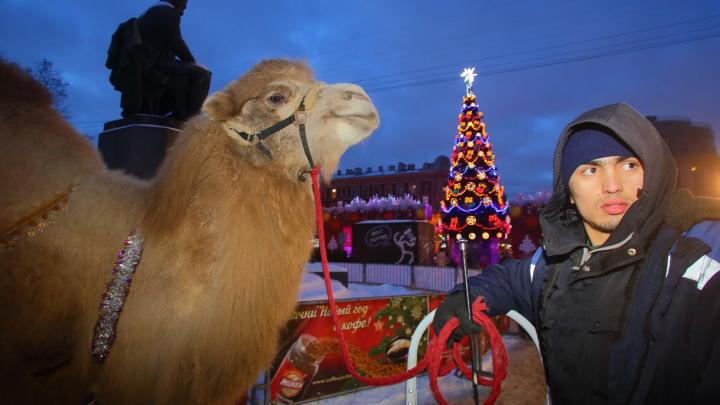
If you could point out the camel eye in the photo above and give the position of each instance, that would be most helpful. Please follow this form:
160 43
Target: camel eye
276 99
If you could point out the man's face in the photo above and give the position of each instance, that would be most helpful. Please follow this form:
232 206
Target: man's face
603 190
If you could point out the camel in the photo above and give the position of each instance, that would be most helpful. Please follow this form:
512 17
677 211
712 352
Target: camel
226 228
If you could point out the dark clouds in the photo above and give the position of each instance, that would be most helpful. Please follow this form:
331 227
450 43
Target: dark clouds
354 41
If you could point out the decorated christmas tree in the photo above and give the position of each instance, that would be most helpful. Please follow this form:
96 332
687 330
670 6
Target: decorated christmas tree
474 206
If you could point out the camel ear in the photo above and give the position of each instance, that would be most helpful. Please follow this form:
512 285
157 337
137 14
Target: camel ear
220 106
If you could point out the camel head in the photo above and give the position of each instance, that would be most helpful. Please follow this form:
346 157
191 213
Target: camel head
337 115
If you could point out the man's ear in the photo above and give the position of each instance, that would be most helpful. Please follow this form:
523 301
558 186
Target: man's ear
572 200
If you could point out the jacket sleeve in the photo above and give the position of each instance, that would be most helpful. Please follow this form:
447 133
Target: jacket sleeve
708 390
505 286
708 318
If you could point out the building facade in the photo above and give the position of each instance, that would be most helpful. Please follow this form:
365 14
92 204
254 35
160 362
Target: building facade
693 147
425 183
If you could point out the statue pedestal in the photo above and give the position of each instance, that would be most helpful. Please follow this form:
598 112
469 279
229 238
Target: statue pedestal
137 144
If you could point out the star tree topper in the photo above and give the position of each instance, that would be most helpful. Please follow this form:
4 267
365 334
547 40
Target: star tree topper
469 75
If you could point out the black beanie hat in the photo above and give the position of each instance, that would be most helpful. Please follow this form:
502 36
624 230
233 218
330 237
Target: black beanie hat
589 144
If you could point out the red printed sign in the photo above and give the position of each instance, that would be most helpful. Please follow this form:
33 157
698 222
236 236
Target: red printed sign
378 331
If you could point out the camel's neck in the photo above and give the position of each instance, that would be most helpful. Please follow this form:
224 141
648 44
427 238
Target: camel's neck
230 230
207 187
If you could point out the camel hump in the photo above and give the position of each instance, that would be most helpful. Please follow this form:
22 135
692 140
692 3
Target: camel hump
17 86
42 154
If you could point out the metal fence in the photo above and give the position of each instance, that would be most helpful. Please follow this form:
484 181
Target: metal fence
422 277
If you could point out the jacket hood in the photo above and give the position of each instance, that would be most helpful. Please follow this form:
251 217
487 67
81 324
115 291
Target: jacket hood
561 225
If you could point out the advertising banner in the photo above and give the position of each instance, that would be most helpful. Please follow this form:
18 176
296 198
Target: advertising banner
378 332
393 241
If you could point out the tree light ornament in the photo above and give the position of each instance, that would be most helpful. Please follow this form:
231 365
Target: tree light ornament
469 75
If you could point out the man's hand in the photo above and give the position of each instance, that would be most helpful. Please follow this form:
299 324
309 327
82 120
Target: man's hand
454 306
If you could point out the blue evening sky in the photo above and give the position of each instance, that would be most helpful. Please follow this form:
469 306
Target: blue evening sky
540 63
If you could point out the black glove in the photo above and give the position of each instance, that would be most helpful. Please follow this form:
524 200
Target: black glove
455 306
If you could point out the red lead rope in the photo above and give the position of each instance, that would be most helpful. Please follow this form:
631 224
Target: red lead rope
433 355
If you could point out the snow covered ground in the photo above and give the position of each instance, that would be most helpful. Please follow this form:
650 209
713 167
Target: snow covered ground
313 289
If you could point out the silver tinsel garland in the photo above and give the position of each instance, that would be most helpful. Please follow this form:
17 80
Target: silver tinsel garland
115 294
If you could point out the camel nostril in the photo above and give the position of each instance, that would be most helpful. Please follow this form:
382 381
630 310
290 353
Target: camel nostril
347 95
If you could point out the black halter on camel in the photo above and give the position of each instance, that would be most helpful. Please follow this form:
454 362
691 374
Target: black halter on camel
298 118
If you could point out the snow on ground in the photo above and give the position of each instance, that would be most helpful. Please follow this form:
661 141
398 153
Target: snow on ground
313 289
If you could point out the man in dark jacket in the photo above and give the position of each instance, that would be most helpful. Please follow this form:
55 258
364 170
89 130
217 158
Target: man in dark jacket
160 31
623 294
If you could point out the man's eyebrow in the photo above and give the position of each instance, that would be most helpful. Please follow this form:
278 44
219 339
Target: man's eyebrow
596 162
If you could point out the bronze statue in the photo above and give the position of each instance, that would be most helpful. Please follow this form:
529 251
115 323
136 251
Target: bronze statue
152 66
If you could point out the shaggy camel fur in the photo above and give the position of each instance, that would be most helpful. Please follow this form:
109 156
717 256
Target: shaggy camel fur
227 233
